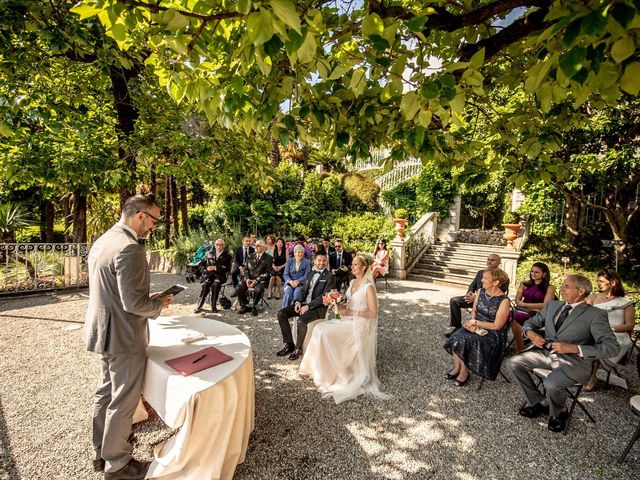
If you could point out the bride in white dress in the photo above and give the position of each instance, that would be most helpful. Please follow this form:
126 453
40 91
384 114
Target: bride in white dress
341 355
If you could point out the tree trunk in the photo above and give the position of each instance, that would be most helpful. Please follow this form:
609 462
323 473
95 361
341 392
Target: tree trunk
66 211
153 187
184 210
79 218
175 206
47 217
572 217
167 211
127 115
304 157
274 154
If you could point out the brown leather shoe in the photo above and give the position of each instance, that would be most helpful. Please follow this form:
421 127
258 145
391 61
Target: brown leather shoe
98 465
134 470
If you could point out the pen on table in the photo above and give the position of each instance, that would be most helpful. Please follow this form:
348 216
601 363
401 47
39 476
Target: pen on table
199 358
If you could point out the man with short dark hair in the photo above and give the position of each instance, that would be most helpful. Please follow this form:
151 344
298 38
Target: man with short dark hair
340 264
242 255
256 276
215 268
310 307
575 334
116 328
456 304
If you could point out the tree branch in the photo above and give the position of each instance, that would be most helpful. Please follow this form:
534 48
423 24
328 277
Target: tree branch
157 8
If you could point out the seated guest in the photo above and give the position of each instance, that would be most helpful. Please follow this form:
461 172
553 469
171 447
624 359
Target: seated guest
215 268
280 257
295 272
252 240
340 264
243 252
620 312
380 265
308 308
326 246
481 354
456 304
531 296
271 244
256 276
575 333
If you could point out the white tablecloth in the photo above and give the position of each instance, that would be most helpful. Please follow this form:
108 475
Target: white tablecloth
213 409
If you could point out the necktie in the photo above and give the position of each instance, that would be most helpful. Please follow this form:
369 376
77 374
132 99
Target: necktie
244 258
339 260
563 316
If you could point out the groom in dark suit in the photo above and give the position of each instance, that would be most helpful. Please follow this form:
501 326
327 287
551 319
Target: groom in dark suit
318 282
575 333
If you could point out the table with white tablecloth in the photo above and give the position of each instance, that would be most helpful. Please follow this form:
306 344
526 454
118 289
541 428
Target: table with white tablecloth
213 409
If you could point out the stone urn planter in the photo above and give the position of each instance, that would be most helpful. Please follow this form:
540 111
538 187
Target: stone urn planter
401 221
511 233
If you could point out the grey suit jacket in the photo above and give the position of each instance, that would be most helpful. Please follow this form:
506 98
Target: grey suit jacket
586 326
119 303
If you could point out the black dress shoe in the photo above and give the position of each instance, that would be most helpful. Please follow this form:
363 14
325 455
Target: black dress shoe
461 383
134 470
559 423
197 310
451 376
214 310
288 348
533 411
98 465
244 309
297 353
254 311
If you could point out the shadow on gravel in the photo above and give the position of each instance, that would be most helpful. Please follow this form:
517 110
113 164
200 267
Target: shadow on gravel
7 461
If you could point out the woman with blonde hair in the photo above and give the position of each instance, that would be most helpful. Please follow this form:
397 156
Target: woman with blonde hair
341 355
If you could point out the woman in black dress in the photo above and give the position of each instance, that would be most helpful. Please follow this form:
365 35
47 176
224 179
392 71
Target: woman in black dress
481 354
280 257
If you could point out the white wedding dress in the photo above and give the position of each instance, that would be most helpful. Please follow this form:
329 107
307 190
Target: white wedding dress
341 355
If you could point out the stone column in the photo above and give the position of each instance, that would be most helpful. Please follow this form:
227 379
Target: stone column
398 258
510 266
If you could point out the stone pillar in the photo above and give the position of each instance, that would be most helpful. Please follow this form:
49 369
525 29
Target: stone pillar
448 228
398 258
510 266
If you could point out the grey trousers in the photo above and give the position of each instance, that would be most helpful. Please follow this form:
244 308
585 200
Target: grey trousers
115 402
521 364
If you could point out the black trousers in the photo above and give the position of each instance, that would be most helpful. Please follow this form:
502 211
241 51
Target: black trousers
235 275
303 320
342 278
212 286
456 304
242 292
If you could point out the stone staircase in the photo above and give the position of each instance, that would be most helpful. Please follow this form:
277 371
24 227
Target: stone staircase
452 263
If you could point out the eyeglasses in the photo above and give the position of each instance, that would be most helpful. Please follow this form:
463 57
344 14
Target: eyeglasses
147 213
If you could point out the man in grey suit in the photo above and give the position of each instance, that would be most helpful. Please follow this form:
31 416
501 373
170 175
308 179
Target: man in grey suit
575 333
116 328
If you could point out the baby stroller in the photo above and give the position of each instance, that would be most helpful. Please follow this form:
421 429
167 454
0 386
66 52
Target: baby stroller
193 267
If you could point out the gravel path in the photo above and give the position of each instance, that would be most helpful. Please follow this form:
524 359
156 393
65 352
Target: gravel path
429 429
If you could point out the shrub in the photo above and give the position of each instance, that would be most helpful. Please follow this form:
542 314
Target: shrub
401 213
509 217
360 192
332 193
543 202
403 196
434 191
367 228
262 215
312 193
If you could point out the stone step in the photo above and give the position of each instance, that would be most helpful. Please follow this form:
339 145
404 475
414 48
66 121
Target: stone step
429 260
448 270
439 280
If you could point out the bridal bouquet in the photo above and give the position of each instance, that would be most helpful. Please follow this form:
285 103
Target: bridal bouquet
332 298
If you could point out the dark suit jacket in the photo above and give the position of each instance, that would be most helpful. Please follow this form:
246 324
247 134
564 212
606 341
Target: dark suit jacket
586 326
223 266
325 282
476 284
346 260
258 270
119 303
240 253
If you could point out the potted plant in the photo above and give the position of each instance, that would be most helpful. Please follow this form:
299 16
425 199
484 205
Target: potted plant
511 227
401 221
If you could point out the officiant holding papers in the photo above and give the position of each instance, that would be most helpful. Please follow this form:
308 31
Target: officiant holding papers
116 328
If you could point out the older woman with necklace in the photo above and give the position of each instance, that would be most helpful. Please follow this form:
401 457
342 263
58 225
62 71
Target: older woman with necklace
478 346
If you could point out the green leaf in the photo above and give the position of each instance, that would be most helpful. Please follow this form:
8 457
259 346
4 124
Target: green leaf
379 43
244 6
448 80
416 24
264 62
293 43
399 65
630 80
273 45
477 59
358 82
260 27
623 49
545 96
307 51
372 25
118 32
85 11
409 105
594 23
286 11
623 14
607 75
175 20
430 90
571 62
534 150
571 33
342 139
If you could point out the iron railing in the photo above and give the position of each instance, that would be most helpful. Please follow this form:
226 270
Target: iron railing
36 267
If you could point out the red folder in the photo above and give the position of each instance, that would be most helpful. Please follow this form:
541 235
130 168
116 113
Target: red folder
200 360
